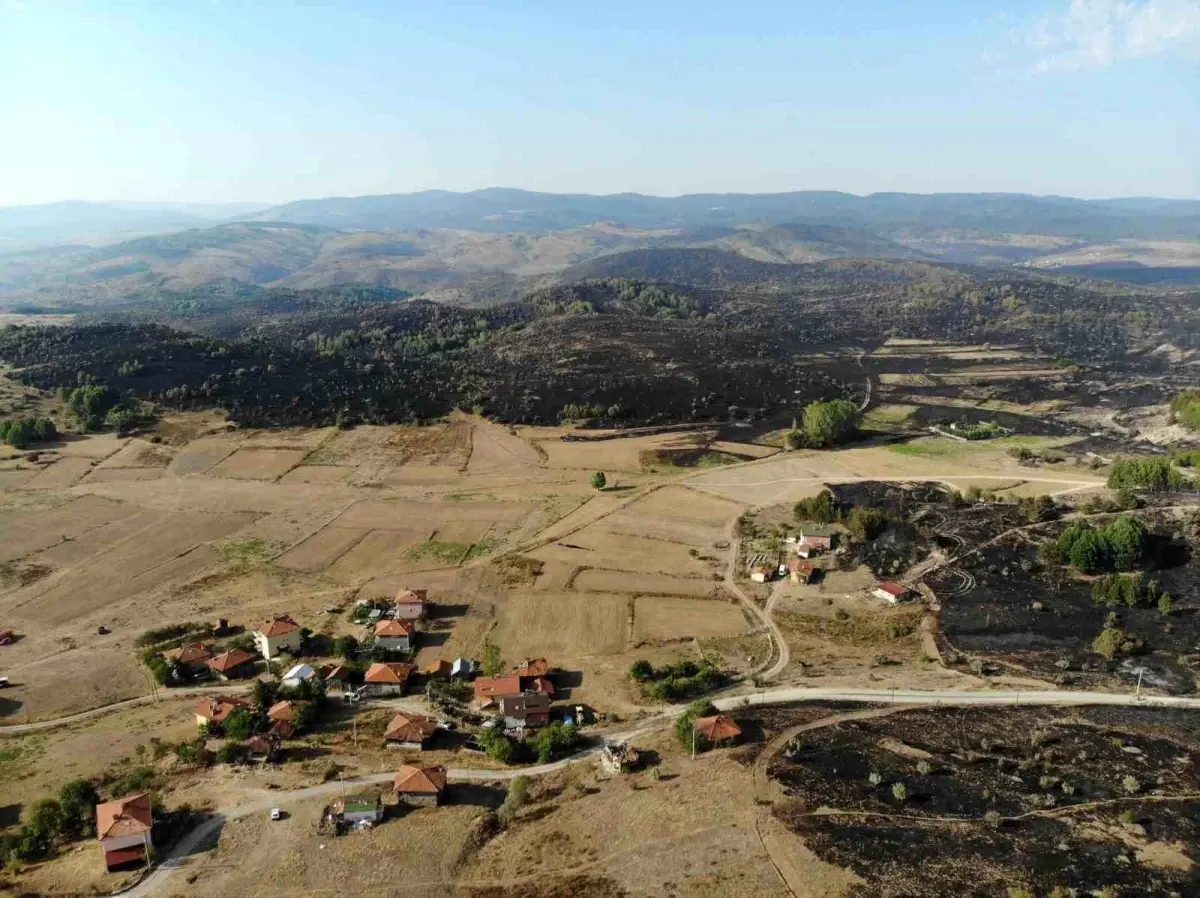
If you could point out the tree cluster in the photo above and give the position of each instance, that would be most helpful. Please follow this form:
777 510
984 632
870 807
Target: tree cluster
70 816
1155 474
22 432
683 724
825 424
1130 590
672 682
1119 545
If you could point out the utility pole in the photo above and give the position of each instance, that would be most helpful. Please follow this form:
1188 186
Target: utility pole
1138 692
693 743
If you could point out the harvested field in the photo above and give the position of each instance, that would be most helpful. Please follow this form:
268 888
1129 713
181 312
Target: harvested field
53 679
123 475
93 446
315 474
197 457
322 549
567 625
257 464
299 438
614 455
60 475
12 479
597 580
139 454
93 542
376 553
24 532
596 548
495 448
418 475
664 617
753 450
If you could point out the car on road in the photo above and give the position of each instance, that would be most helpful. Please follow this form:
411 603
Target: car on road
276 813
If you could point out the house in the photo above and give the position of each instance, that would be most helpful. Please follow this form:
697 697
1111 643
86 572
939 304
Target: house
420 786
529 670
394 635
7 637
800 571
287 710
618 757
387 678
297 675
282 729
528 709
411 604
893 593
762 573
438 670
191 658
367 806
488 689
124 829
336 676
410 731
279 634
234 664
463 669
214 711
265 746
814 540
717 729
541 685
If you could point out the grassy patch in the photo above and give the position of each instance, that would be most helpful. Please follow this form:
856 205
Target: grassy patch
658 460
245 552
447 552
18 754
518 570
888 415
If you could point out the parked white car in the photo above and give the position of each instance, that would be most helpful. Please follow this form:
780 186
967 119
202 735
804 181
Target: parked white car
276 813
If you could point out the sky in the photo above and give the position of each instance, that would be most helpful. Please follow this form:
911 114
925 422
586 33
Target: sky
214 101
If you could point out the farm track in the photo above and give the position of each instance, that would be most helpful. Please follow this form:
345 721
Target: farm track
154 883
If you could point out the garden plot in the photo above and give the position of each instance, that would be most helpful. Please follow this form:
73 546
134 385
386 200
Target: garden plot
23 532
322 549
598 580
60 475
200 455
664 617
257 464
566 625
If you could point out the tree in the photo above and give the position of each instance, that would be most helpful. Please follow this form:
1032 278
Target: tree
899 791
346 647
498 746
90 403
1126 537
641 669
1088 552
518 792
240 724
1165 604
77 801
599 480
492 662
830 423
556 741
821 508
266 693
683 724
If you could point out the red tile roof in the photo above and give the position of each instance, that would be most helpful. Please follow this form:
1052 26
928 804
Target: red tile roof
394 628
412 597
128 816
192 653
438 668
894 589
421 780
544 686
217 709
280 625
800 566
410 728
335 673
230 660
716 729
537 667
394 673
285 710
490 687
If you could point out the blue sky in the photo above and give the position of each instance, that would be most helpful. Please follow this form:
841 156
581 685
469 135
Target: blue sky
271 101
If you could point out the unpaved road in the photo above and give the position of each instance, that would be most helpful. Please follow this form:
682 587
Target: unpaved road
156 881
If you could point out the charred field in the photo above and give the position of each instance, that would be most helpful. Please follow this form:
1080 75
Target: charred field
974 802
1004 605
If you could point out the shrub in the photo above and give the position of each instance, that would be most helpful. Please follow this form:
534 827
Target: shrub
493 663
557 741
1131 785
821 508
499 746
683 724
641 670
599 481
240 724
514 800
899 791
22 432
77 804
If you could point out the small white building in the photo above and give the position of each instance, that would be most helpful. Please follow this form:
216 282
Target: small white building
762 573
279 634
410 604
297 675
893 593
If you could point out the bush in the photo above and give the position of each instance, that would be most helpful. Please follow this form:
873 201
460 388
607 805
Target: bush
556 741
683 680
77 803
1129 590
866 523
1186 409
830 423
821 508
240 724
641 670
1038 509
899 791
231 753
1154 475
499 746
518 793
493 663
1113 641
22 432
599 480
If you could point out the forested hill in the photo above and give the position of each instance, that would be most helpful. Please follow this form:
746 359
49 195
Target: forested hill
656 352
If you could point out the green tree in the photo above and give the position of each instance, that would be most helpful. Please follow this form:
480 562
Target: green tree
1088 553
1126 537
499 747
493 663
683 723
77 802
90 403
599 480
557 740
641 670
346 647
1165 604
518 792
830 423
821 508
240 724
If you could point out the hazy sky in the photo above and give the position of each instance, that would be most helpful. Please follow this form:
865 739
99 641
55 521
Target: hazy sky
270 101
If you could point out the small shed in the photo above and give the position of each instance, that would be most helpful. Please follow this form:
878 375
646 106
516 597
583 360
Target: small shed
893 593
411 731
801 571
420 786
365 806
298 674
762 573
717 729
